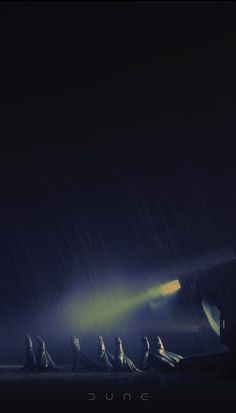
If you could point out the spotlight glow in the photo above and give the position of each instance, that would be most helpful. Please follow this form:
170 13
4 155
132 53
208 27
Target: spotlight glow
164 289
105 307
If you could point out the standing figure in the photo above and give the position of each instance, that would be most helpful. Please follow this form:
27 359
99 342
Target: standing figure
172 357
105 358
30 361
75 346
145 355
44 360
122 362
81 362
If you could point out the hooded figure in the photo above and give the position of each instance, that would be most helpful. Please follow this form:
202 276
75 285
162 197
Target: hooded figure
81 362
75 346
145 355
159 361
122 362
172 357
44 360
30 361
105 358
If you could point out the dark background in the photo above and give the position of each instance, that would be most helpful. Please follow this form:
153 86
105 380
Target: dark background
117 156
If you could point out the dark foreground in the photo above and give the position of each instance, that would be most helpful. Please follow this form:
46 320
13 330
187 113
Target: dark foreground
65 391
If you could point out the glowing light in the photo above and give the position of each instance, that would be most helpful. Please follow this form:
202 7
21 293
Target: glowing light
164 289
91 311
170 288
103 308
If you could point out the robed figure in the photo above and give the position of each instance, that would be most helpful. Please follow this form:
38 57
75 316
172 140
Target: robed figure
122 362
44 360
30 360
104 357
80 361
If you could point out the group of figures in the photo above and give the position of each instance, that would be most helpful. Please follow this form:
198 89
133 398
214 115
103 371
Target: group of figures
40 361
160 359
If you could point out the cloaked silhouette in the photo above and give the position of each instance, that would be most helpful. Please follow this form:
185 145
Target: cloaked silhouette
30 361
122 362
44 360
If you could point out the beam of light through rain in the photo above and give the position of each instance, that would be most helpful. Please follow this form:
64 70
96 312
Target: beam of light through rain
164 289
103 308
201 263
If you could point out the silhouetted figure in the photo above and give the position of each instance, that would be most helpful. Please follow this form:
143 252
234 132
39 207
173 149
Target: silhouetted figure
75 346
30 361
122 362
81 362
105 358
44 360
145 355
172 357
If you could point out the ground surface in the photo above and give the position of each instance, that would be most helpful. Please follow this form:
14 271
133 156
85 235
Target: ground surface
65 391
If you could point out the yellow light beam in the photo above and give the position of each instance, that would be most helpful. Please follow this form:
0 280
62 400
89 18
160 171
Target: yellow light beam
100 309
164 289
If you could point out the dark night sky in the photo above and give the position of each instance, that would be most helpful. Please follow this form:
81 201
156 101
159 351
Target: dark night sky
117 152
